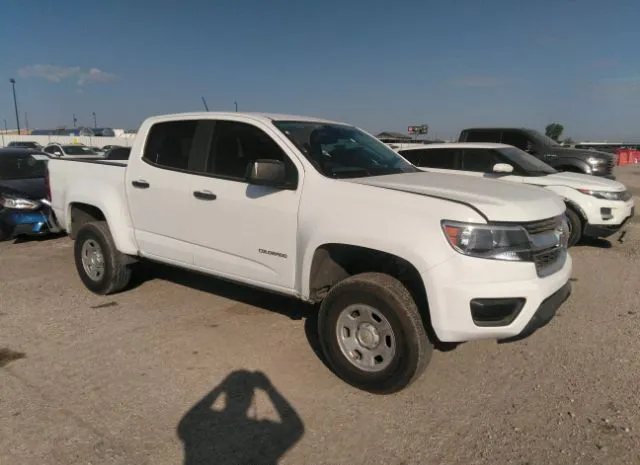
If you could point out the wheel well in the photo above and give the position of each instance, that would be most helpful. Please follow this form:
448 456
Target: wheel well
334 262
81 214
576 209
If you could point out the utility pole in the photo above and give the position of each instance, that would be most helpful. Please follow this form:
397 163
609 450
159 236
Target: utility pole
236 104
15 102
74 120
95 125
26 121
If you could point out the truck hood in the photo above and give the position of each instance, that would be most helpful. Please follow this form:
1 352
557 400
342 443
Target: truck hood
577 153
577 181
496 200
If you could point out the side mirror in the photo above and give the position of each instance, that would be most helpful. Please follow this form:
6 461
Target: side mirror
502 168
57 154
267 173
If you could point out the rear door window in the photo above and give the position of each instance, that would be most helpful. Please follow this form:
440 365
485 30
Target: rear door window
169 144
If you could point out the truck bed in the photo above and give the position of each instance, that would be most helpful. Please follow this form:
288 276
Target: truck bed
72 178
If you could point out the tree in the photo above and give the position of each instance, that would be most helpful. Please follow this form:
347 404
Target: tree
554 130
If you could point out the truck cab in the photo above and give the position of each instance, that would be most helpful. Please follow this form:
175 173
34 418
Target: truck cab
546 149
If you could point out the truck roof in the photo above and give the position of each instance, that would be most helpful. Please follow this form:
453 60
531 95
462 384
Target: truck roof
264 117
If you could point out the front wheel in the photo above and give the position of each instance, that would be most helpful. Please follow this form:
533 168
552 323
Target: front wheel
102 268
575 227
372 334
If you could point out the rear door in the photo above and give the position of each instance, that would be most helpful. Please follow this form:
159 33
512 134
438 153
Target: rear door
160 188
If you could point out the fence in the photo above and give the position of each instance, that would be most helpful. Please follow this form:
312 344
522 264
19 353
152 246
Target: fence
94 141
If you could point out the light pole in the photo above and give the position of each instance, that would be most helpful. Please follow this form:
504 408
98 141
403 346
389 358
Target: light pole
95 125
15 102
74 120
26 122
236 104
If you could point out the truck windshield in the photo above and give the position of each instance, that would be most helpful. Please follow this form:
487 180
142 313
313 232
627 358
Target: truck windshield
341 151
22 166
542 139
527 163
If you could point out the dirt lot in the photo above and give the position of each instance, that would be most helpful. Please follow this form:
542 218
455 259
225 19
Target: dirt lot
137 378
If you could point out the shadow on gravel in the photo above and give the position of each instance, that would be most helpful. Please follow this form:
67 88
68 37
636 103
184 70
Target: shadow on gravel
42 238
7 356
595 243
232 433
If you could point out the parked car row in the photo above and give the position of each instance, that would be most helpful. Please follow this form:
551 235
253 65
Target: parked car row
397 251
109 152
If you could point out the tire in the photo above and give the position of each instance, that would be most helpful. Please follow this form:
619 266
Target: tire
372 297
575 226
116 271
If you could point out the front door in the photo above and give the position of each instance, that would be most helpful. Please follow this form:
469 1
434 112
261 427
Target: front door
241 230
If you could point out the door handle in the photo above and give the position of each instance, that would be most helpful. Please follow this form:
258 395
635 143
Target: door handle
140 184
204 195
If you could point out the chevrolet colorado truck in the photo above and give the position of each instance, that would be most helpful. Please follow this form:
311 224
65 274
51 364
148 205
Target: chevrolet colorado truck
326 213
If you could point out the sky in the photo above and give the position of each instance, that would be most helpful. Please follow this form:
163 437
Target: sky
379 65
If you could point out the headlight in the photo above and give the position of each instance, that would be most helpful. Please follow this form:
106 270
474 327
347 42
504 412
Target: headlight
607 195
596 161
17 203
487 241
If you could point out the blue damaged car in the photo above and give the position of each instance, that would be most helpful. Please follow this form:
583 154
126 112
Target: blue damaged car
24 209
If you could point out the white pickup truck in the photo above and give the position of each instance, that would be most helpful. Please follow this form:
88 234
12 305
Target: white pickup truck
326 213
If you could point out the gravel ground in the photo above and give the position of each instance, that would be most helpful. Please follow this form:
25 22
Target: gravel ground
137 378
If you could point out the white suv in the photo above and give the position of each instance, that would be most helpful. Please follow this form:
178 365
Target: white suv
596 207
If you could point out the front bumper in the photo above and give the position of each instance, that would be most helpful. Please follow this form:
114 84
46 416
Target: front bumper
545 313
18 222
452 285
621 215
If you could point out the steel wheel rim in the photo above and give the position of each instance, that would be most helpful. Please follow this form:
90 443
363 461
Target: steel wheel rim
366 338
92 259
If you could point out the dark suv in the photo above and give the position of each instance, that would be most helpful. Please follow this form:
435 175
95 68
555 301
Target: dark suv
546 149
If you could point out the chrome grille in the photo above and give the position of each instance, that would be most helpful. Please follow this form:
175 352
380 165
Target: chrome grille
610 164
546 257
543 226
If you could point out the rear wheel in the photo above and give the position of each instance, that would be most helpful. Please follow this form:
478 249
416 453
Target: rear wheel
575 226
372 334
102 268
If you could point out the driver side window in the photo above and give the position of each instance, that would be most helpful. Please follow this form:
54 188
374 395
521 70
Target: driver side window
237 145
